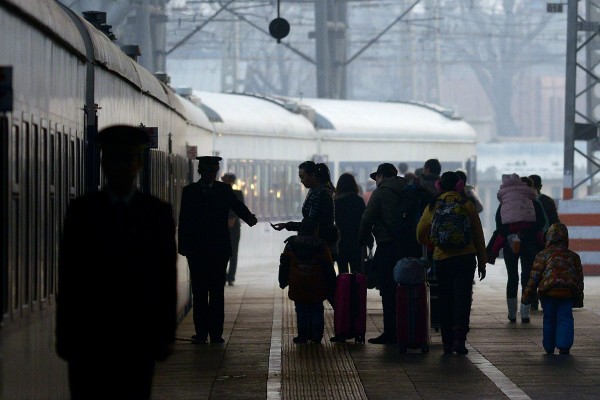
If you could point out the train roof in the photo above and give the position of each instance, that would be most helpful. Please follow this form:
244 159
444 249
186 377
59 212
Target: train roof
55 20
194 114
406 121
111 57
51 17
247 113
241 114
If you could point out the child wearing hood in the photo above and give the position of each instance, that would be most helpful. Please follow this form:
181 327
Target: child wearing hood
517 212
558 277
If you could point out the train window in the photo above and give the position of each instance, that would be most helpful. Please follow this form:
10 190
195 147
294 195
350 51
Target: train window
16 151
79 170
72 165
43 222
54 166
66 168
51 159
27 206
35 215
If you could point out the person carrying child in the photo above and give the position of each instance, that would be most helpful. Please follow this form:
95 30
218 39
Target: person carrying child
517 213
557 275
306 266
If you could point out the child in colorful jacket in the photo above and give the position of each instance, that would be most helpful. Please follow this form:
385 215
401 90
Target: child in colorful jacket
558 277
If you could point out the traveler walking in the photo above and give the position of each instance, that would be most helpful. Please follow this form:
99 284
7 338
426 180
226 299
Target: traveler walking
557 276
548 204
431 174
469 191
382 217
452 225
528 238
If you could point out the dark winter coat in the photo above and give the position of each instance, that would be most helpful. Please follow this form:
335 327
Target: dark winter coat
349 208
383 211
111 261
203 218
549 209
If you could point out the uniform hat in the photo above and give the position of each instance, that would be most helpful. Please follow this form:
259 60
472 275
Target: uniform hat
209 163
386 169
123 135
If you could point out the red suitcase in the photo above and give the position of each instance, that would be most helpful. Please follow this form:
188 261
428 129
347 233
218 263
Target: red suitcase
412 317
350 311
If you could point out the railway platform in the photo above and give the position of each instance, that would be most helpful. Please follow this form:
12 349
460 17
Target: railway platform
260 361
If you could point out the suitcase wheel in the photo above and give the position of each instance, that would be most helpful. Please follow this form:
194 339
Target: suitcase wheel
425 349
401 349
359 340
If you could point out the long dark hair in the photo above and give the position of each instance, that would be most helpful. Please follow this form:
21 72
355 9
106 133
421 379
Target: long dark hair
320 170
346 184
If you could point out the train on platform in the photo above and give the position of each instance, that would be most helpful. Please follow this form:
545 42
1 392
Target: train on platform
262 140
62 80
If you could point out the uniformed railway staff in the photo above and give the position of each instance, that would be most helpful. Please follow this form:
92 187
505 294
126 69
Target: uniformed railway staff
204 239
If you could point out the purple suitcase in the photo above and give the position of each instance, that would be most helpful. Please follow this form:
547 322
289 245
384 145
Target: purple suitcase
350 311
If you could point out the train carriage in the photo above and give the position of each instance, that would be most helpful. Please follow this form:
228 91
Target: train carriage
263 139
68 82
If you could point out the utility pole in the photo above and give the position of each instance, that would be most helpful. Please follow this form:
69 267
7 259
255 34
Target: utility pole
230 79
581 118
330 34
593 96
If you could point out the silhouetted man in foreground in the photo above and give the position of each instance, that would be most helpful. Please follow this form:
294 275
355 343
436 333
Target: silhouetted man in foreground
116 307
204 240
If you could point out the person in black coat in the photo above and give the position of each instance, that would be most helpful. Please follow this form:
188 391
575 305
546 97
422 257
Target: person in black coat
349 208
547 203
116 302
203 237
235 229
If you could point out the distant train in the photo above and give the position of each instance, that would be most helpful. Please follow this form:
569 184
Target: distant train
263 139
62 80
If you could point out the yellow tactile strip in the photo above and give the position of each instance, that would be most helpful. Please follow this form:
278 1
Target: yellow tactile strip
316 371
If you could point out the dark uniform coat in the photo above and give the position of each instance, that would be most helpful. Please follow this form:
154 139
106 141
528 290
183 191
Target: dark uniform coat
116 304
203 218
204 239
